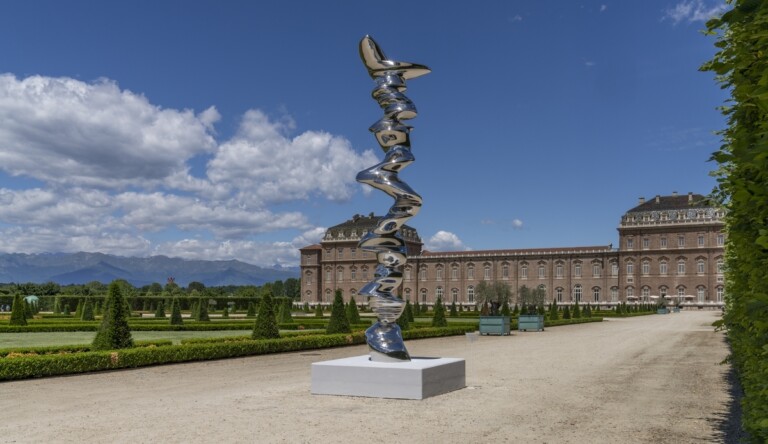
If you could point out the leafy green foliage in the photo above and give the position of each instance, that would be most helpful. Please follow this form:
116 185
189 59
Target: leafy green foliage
114 332
251 313
18 316
576 310
160 311
453 311
176 318
265 326
409 311
284 315
353 314
438 318
567 313
741 66
202 310
554 312
87 314
338 322
79 309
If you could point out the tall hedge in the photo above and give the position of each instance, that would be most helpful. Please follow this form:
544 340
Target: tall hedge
741 66
265 326
202 310
338 322
87 314
160 311
17 311
114 331
352 312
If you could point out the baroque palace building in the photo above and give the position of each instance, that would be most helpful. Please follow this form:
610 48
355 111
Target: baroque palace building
670 247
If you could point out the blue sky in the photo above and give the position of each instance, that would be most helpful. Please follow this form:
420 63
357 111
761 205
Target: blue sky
222 130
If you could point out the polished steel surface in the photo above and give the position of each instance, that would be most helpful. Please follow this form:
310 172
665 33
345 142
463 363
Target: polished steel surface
384 337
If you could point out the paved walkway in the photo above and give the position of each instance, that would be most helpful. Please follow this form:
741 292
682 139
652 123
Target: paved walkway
649 379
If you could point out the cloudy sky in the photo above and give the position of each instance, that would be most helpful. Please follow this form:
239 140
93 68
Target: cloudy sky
220 130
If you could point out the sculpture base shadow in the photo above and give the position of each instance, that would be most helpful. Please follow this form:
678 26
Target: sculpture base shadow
419 378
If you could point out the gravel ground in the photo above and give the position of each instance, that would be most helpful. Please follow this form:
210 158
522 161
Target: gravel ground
649 379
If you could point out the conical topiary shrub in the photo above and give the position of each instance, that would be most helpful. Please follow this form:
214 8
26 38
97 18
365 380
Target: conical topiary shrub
554 313
409 311
202 310
567 313
306 308
505 311
57 305
588 311
576 311
225 312
87 314
251 313
352 312
403 322
285 316
65 309
17 311
79 309
176 313
453 312
438 318
319 311
416 309
114 331
160 311
338 322
265 326
29 310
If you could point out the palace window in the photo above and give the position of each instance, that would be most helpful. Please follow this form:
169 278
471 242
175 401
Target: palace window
681 241
439 293
700 292
454 295
423 274
680 291
614 269
646 292
408 274
577 270
719 292
439 273
700 240
471 272
423 295
505 271
662 291
341 253
630 268
328 275
614 294
700 266
596 270
646 243
353 274
663 268
663 242
559 294
559 271
630 292
577 293
487 272
471 294
596 294
720 240
630 243
340 273
365 273
681 267
407 294
524 271
646 268
719 266
454 272
542 272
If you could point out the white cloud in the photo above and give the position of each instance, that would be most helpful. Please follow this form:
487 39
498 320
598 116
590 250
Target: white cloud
517 224
694 11
62 130
115 167
603 7
445 241
262 165
516 18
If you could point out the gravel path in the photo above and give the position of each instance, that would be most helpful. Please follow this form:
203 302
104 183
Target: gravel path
649 379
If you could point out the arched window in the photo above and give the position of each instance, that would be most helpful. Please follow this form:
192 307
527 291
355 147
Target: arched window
524 271
559 270
454 272
663 291
364 269
663 269
596 294
719 266
423 274
439 273
577 293
471 294
700 266
454 295
646 267
327 295
328 274
471 272
340 274
487 272
700 293
614 294
407 273
681 266
407 294
542 271
559 294
505 270
577 269
630 268
720 293
353 273
680 291
423 295
439 293
646 292
596 270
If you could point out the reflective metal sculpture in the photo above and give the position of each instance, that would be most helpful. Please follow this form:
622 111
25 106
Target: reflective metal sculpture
384 337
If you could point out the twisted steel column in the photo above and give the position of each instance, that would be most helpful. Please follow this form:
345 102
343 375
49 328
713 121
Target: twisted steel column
384 337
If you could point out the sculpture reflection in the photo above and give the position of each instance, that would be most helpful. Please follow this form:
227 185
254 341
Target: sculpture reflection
384 337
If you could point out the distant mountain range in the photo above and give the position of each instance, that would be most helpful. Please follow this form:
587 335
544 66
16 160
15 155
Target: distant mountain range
81 268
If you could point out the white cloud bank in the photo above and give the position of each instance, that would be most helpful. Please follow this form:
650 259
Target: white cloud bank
445 241
694 11
115 169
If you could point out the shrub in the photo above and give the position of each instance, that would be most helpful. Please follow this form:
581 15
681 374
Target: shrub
409 310
265 326
416 309
338 322
306 308
176 318
225 312
87 314
352 313
56 305
160 311
588 311
453 312
251 313
505 309
79 309
319 311
567 313
438 319
65 309
202 310
554 312
17 311
576 310
114 332
284 316
403 322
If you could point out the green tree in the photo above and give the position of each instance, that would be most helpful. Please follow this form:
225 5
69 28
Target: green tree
79 309
225 312
352 312
265 326
285 316
28 308
293 288
114 332
251 313
202 310
588 311
338 322
17 311
554 312
318 311
416 309
57 305
453 311
566 313
160 311
87 314
438 318
306 308
576 310
409 311
403 321
176 318
505 309
278 289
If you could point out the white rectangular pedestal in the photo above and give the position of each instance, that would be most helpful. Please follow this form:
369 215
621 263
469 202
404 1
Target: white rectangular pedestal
416 379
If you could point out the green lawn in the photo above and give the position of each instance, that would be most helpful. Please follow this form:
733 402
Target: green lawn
12 340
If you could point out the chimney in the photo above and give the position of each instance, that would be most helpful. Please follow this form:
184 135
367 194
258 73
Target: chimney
690 196
658 199
641 201
674 194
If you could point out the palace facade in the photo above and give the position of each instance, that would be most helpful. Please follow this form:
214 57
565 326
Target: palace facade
670 247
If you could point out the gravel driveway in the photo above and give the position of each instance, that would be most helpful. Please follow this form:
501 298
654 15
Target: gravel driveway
649 379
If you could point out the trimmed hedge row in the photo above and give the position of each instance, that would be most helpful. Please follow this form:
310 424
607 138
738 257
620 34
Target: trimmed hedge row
559 322
12 353
285 334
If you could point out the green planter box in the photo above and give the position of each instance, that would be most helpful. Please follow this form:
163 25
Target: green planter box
530 323
662 311
494 325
